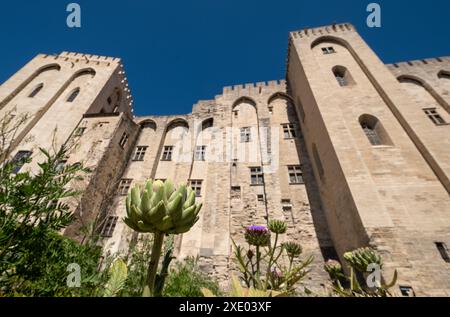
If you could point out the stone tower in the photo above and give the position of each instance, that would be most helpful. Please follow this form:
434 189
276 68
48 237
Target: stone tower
379 141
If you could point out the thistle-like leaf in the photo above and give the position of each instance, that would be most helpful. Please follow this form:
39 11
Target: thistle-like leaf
118 275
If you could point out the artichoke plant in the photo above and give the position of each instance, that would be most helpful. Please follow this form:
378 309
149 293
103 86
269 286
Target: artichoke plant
158 207
161 209
360 259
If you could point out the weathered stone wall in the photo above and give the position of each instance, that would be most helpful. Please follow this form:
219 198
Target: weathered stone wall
387 196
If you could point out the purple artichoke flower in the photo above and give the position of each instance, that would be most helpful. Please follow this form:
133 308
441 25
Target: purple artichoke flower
258 236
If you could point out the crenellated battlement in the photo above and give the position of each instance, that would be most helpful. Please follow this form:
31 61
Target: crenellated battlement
251 87
420 63
85 59
324 30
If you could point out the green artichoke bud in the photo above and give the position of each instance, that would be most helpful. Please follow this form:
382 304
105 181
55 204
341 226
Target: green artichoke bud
334 269
277 226
158 207
360 259
293 249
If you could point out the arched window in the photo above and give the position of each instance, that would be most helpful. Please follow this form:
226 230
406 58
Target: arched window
208 123
36 90
343 76
444 75
73 95
374 130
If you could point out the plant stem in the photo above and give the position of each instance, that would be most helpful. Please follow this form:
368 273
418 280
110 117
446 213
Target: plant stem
258 272
158 239
269 267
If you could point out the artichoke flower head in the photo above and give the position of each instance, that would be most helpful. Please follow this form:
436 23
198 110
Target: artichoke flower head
158 207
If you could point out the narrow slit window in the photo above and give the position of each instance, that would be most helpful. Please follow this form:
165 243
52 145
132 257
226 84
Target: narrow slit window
443 250
343 76
374 130
123 140
371 134
79 132
73 95
36 90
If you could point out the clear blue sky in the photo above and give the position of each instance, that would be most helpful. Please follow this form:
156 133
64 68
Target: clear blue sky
178 52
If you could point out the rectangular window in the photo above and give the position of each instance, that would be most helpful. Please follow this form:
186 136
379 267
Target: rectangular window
290 131
235 192
79 132
19 159
434 116
200 153
110 225
124 186
328 50
286 205
257 176
167 154
443 250
140 153
123 140
245 135
260 198
407 291
295 175
196 186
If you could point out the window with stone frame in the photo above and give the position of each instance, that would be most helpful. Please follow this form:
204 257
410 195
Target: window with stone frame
167 153
200 153
286 205
256 176
246 135
109 226
196 186
124 186
139 155
289 131
434 116
295 174
328 50
123 140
